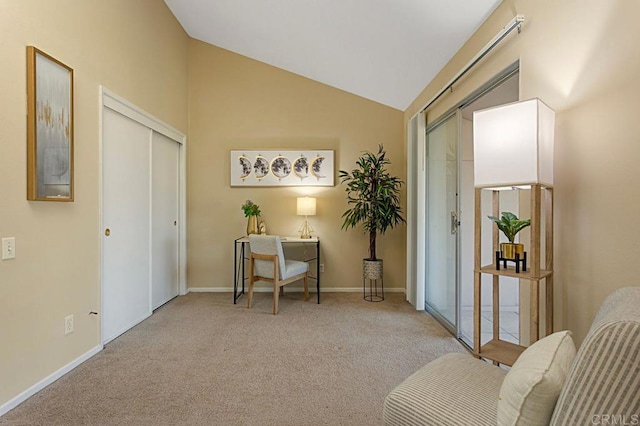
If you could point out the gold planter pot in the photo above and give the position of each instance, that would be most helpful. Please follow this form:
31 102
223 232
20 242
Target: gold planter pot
252 225
509 250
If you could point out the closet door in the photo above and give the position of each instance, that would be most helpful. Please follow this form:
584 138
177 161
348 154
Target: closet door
164 236
126 271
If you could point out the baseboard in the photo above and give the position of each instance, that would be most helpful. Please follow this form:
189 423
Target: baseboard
14 402
312 289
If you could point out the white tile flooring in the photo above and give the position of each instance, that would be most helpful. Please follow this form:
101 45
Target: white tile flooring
509 325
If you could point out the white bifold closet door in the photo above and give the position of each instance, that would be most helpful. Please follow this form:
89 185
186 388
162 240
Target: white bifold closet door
140 213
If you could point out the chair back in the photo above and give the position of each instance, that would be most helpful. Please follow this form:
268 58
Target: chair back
269 245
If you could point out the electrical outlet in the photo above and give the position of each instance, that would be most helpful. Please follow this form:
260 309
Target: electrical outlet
8 248
68 324
322 267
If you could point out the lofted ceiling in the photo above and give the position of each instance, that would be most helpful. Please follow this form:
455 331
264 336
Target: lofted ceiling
383 50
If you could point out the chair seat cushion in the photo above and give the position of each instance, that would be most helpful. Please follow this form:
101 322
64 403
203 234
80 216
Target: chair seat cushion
455 389
293 268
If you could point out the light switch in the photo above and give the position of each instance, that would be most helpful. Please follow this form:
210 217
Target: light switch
8 248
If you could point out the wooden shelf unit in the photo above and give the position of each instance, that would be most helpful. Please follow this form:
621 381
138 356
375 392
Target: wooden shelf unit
541 202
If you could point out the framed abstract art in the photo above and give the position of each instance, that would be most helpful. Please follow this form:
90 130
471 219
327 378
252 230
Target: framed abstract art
49 128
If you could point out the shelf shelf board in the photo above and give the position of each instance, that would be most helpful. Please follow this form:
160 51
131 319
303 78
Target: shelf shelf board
503 352
511 272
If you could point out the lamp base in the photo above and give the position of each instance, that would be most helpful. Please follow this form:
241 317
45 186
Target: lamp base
305 230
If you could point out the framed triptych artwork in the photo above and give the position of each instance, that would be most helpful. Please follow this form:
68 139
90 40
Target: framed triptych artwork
49 128
282 168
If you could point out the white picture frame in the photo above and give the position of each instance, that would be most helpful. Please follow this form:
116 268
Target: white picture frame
282 168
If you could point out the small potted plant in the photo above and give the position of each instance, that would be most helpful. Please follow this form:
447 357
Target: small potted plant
510 225
374 196
252 212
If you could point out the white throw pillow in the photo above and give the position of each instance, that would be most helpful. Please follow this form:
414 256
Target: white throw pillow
530 389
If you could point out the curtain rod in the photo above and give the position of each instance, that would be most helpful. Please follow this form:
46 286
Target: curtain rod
516 22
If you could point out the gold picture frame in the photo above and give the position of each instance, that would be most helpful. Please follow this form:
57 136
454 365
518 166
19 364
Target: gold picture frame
49 128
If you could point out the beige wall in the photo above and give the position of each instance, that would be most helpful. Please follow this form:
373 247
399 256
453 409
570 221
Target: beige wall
236 103
134 48
582 59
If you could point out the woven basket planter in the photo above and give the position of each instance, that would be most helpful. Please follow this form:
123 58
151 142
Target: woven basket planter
372 269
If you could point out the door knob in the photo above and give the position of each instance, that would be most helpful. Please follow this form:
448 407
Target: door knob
107 232
175 222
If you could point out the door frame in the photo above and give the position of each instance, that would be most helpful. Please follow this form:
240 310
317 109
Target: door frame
109 99
416 187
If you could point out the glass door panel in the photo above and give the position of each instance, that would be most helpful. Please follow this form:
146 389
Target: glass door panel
442 221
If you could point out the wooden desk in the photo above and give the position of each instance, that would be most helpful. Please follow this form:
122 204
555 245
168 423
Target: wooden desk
241 252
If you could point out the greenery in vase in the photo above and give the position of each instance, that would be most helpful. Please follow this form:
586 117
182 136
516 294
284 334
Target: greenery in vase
374 196
510 225
250 209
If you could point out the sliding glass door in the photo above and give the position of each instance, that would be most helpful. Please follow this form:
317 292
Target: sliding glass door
441 220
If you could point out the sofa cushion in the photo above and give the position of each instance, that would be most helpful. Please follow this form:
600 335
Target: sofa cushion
530 389
455 389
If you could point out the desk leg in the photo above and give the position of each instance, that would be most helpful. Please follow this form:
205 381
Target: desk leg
242 254
235 273
318 270
238 263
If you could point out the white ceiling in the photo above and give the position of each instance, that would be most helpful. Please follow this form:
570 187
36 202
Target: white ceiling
383 50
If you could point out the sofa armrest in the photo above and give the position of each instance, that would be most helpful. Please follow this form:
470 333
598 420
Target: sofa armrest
604 379
455 389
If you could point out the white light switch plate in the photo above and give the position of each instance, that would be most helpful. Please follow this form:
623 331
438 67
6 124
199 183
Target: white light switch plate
8 248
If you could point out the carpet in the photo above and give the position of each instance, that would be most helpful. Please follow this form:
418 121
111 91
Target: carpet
201 360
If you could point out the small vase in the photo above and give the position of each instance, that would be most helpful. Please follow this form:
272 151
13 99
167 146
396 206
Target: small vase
252 225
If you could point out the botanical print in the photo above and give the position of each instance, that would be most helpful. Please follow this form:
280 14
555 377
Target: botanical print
281 167
261 167
301 167
245 164
53 121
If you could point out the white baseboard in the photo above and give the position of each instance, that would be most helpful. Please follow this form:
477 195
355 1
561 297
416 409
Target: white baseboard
312 289
14 402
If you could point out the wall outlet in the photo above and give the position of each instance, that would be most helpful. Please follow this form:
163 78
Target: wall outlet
322 267
8 248
68 324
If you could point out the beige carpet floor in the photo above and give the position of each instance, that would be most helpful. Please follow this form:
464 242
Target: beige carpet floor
201 360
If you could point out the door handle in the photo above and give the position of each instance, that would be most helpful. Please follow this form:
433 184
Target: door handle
455 223
107 232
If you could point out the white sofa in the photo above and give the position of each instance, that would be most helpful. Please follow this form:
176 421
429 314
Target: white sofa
600 385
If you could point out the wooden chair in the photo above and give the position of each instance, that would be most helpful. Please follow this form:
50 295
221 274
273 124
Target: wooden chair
267 263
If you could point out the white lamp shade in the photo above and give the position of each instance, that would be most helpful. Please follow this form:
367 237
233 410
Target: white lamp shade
513 145
306 206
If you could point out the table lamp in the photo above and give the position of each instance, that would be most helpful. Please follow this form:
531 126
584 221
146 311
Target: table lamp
306 207
513 145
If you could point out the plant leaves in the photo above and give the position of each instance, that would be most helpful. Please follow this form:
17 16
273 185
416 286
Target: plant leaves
510 225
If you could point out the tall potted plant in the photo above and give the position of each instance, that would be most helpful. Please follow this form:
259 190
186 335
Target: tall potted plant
373 195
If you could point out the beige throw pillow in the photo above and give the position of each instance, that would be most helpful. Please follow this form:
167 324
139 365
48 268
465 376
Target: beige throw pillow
530 389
